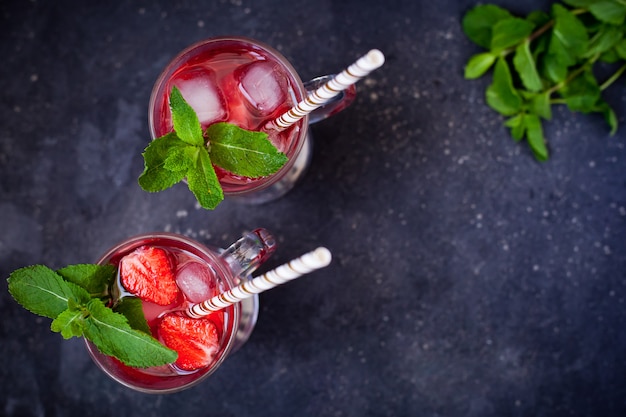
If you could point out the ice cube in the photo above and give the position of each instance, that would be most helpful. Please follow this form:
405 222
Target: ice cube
199 89
262 86
196 281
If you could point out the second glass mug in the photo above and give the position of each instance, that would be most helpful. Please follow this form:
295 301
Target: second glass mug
191 62
230 266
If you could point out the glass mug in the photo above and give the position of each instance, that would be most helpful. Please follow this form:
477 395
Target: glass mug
248 83
234 324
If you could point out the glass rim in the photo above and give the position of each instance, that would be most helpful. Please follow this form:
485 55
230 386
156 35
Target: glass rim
300 91
139 240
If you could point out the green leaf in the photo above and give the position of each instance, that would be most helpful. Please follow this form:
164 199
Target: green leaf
579 3
155 176
478 23
479 64
582 93
203 183
517 125
509 32
70 323
181 159
539 18
540 105
609 115
610 57
612 12
42 291
242 152
95 279
606 38
553 69
131 308
534 135
620 49
113 336
569 31
185 120
525 65
501 95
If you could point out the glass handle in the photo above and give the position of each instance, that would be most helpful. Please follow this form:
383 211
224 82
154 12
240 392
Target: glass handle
249 252
335 105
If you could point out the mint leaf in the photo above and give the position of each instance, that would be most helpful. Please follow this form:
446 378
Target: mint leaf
540 105
612 12
534 134
609 115
113 336
607 37
70 323
155 176
42 291
538 17
478 23
131 308
181 159
579 3
582 93
95 279
620 49
242 152
570 32
501 94
185 120
479 64
525 66
553 68
517 125
509 32
203 183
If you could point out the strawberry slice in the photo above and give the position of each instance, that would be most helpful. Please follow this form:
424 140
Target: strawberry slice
195 340
148 273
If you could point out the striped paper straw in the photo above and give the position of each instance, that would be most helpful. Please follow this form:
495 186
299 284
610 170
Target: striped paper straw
372 60
305 264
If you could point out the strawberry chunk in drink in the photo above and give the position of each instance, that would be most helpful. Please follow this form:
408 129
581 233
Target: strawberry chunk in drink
148 273
195 340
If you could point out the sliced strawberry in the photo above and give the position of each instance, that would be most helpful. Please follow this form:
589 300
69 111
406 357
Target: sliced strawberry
195 340
148 273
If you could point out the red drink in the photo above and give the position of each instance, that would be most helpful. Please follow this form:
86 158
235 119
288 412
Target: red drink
198 274
239 81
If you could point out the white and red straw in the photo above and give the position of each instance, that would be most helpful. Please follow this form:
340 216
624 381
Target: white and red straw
305 264
369 62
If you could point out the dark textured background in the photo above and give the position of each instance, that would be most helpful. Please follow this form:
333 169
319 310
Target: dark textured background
468 279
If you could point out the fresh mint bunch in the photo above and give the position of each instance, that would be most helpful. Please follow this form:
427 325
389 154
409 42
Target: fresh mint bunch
189 153
75 299
547 59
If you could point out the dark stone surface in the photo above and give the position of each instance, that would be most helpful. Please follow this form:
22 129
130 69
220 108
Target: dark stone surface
468 279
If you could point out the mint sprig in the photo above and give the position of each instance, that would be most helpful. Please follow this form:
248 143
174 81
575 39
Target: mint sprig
547 59
74 297
188 153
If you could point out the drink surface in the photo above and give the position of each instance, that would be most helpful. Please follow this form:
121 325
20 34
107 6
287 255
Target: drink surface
185 276
231 81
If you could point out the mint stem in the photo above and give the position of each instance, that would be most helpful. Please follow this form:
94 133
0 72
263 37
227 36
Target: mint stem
574 74
541 30
613 78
